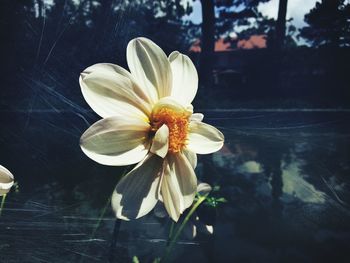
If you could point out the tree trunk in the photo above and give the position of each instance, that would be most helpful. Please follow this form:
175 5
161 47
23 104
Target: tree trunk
103 23
281 24
207 41
278 44
40 8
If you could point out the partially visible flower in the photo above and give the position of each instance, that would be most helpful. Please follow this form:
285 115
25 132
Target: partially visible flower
204 188
148 119
196 226
6 180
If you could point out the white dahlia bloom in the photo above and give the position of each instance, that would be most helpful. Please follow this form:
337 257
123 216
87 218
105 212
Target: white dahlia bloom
6 180
148 119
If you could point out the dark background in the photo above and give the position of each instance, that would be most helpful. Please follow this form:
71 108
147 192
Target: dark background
284 111
46 45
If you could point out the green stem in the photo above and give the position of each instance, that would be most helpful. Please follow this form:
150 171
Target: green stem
104 210
171 229
181 227
100 218
2 203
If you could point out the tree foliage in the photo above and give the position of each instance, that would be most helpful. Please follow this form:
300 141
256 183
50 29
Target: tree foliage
243 16
101 25
48 43
328 24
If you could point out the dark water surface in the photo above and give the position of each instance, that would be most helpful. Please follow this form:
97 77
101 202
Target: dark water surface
284 173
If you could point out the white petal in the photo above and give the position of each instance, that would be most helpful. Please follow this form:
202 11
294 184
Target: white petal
178 186
6 180
204 138
116 141
185 77
185 175
203 188
136 193
210 229
171 195
160 143
110 91
197 117
171 103
191 157
150 67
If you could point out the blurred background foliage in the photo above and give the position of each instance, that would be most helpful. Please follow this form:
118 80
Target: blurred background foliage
283 174
47 43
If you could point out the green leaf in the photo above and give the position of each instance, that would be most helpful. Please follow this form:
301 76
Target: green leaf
221 200
135 259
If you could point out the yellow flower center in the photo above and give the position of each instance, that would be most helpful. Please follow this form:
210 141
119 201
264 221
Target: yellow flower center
177 123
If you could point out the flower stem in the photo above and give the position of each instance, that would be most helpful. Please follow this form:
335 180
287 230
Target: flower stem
171 232
2 203
100 218
180 228
105 209
112 248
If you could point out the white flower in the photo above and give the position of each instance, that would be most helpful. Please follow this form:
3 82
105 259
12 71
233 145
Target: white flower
148 119
6 180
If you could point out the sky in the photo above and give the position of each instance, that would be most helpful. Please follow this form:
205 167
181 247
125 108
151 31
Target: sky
295 9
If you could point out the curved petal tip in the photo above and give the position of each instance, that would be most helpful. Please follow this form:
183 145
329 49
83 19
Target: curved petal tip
6 180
